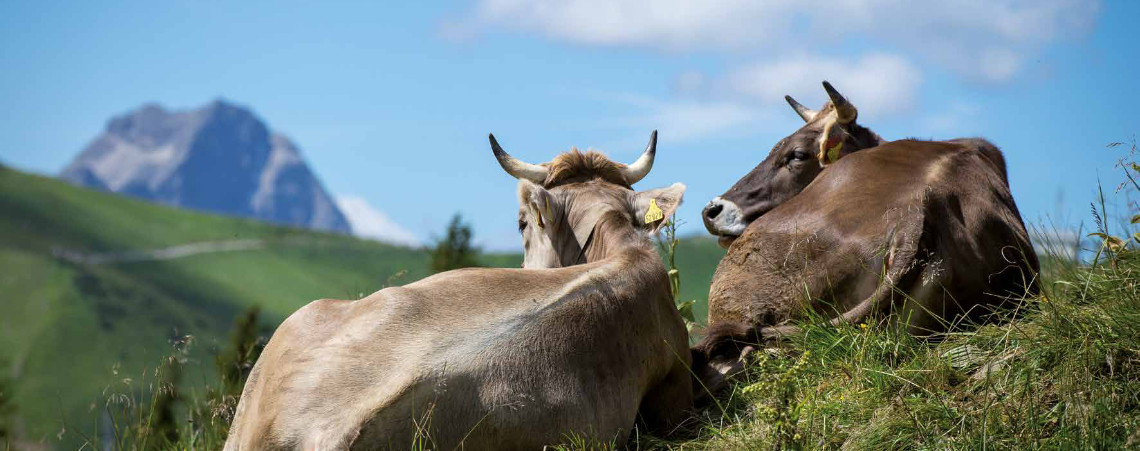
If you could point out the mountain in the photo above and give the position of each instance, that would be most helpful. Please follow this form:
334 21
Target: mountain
219 158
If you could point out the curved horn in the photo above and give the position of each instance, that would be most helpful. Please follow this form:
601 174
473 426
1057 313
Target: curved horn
807 114
640 168
517 168
845 111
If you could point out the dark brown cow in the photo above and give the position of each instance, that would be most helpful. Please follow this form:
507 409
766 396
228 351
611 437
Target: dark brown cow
926 230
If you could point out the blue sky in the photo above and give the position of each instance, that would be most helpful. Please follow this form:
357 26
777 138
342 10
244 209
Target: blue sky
392 103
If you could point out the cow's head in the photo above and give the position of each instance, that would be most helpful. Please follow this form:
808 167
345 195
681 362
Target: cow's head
561 202
827 135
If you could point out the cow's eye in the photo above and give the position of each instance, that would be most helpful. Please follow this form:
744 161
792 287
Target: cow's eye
800 155
522 225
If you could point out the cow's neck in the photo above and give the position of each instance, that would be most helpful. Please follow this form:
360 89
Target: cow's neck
613 235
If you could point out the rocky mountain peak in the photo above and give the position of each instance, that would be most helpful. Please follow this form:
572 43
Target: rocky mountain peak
220 158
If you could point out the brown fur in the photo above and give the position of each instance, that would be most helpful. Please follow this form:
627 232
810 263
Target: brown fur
575 166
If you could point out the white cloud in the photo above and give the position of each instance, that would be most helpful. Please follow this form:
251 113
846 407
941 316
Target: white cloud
368 222
672 24
750 96
981 40
881 83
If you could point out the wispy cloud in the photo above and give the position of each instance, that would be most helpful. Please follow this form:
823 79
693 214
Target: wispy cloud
749 95
682 119
981 40
368 222
885 84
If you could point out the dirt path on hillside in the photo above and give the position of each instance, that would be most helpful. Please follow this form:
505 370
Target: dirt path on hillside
166 253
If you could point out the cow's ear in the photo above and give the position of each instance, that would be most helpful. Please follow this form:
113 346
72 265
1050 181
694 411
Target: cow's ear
542 208
831 142
653 207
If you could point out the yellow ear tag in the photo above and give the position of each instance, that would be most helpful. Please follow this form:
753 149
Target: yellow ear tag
654 213
537 215
833 153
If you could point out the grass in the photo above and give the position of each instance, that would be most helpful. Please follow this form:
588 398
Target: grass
1064 375
70 330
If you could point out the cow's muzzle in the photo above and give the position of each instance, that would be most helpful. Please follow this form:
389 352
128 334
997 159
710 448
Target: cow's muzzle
723 219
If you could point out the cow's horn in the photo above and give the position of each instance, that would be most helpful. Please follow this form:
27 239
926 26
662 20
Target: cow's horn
640 168
845 111
807 114
517 168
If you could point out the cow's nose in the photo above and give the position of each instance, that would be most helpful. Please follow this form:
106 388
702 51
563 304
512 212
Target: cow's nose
713 209
722 218
710 213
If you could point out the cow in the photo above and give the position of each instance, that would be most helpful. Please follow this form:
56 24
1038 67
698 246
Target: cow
583 342
838 223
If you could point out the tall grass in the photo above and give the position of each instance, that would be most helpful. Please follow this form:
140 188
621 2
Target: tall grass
667 241
1065 375
157 409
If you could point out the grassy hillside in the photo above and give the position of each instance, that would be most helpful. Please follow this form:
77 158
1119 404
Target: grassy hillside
83 306
70 329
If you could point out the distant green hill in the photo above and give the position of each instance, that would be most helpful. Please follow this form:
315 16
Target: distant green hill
93 286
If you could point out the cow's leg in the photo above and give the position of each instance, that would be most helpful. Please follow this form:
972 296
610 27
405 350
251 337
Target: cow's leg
668 403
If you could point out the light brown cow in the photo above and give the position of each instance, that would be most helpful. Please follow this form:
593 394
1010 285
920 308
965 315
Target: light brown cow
494 359
926 230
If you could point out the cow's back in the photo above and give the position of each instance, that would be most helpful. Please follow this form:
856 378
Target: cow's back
948 200
532 371
481 356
